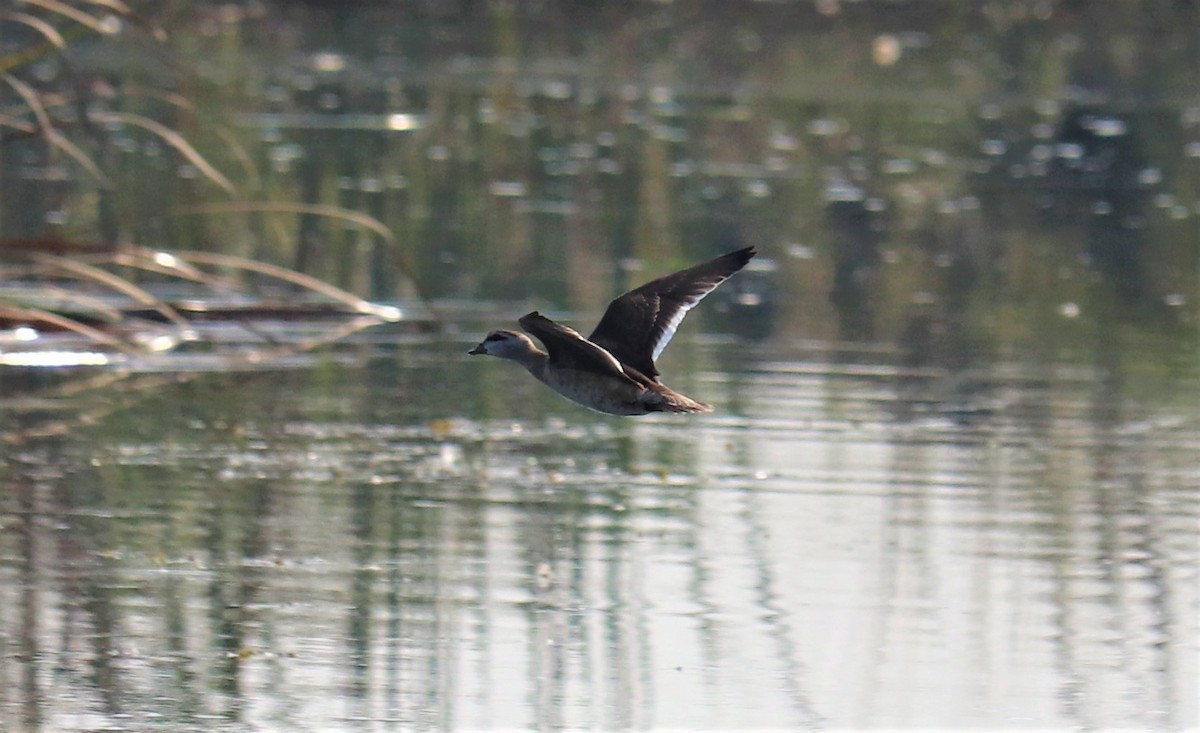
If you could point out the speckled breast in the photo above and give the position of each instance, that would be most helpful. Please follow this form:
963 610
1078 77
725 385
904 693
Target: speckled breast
598 392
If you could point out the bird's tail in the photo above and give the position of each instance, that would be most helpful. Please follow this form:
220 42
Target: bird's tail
675 402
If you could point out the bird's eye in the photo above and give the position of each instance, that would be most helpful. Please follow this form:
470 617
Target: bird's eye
493 337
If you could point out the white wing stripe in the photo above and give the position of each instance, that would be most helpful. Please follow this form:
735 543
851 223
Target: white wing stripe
673 323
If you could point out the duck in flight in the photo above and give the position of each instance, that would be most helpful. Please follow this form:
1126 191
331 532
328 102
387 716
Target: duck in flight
613 370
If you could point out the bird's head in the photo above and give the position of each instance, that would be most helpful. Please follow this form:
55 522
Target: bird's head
506 345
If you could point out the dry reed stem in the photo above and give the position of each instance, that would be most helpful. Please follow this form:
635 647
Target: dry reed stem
172 138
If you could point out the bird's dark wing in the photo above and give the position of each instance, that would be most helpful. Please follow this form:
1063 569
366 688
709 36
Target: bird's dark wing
568 350
638 325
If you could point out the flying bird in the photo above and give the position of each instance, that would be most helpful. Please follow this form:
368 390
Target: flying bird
613 370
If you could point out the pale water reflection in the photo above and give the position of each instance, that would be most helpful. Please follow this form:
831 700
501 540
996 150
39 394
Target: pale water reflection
392 538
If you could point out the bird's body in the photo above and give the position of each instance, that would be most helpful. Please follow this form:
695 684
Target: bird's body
613 370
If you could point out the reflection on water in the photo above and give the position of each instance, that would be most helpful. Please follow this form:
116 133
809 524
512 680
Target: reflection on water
403 539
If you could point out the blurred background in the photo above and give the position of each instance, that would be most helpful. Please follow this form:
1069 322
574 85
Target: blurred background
251 480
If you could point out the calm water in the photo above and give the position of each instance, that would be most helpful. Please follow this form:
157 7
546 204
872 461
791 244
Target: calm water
396 536
951 480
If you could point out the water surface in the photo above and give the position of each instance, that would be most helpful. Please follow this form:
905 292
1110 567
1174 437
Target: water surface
395 536
951 480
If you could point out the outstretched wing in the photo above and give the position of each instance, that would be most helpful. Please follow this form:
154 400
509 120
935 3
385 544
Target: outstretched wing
568 350
638 325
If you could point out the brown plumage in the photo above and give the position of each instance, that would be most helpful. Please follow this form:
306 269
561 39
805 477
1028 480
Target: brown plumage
613 370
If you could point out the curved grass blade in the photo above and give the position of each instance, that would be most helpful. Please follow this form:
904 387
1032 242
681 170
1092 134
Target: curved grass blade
172 98
15 312
308 282
241 155
103 310
335 212
27 93
163 263
92 22
116 6
91 272
172 138
27 129
288 207
58 140
49 32
55 138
